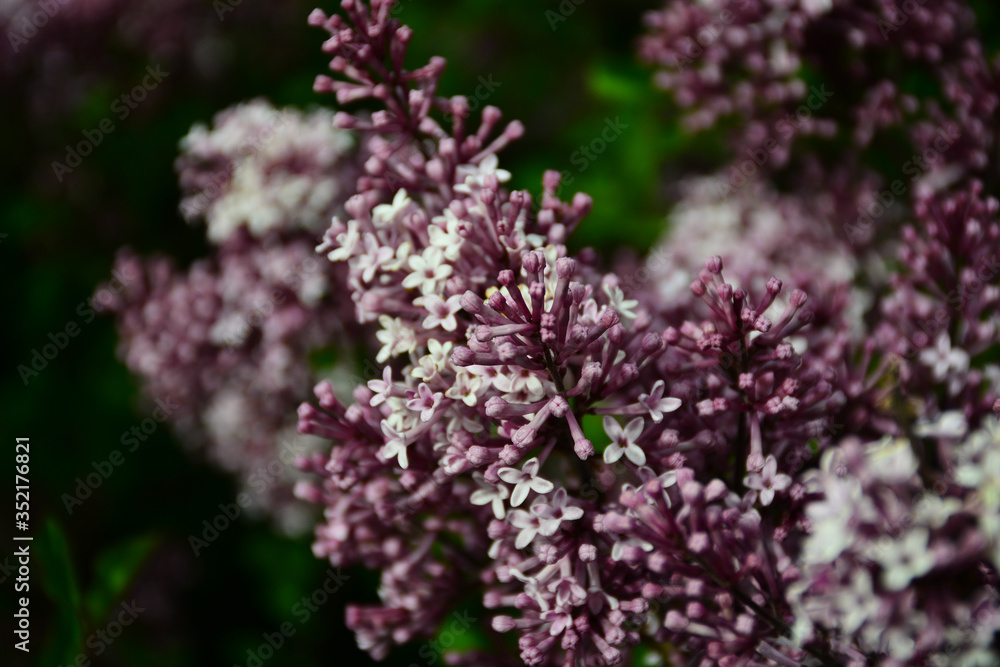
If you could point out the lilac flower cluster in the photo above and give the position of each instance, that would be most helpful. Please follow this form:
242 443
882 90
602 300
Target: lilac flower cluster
773 447
229 338
898 568
836 71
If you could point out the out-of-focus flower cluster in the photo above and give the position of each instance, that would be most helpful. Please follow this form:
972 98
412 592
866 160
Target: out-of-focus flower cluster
230 338
768 443
896 566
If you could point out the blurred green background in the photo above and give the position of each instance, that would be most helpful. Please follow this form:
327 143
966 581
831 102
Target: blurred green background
565 74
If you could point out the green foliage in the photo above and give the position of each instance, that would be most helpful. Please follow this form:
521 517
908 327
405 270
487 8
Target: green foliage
58 580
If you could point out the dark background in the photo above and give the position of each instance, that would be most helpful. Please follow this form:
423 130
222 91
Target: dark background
129 539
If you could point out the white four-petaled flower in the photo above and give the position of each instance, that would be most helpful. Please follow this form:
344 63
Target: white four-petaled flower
553 512
488 494
529 525
428 271
475 174
524 480
382 388
906 559
385 214
617 302
395 337
623 440
425 402
656 404
395 445
441 312
768 480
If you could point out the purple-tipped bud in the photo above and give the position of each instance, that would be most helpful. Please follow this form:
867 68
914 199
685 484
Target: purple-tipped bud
492 599
582 203
506 278
471 302
341 119
514 130
587 552
565 267
317 17
773 286
583 448
496 407
551 180
491 475
715 490
524 435
631 553
714 265
698 288
725 291
497 301
591 371
503 623
608 318
691 492
507 351
510 455
327 399
629 372
477 455
536 292
491 115
698 542
559 406
617 334
651 344
695 610
530 262
675 621
463 356
798 298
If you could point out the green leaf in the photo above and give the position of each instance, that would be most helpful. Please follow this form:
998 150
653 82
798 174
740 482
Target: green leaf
615 83
114 572
462 632
59 582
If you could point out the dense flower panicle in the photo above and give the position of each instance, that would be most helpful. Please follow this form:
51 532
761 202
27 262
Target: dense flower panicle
229 339
498 346
712 565
944 309
497 343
